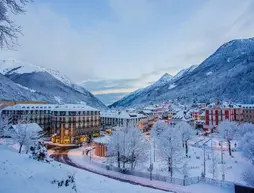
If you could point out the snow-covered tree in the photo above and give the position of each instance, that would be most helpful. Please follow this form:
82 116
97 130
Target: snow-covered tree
136 146
24 134
186 170
213 169
248 176
246 128
170 147
228 130
187 132
247 146
127 145
3 124
158 128
39 152
114 146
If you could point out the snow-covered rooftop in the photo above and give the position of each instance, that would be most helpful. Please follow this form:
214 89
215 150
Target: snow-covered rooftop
121 115
103 140
147 111
248 106
33 127
74 107
183 116
31 107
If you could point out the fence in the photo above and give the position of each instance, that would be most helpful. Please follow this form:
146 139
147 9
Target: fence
163 178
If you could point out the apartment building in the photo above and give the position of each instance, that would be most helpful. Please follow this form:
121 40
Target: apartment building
123 118
218 113
248 113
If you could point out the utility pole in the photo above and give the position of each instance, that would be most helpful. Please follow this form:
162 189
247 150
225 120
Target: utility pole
151 164
204 162
90 155
154 149
221 149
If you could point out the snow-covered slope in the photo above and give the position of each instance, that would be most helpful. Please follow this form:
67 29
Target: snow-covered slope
11 66
9 90
163 80
184 72
21 174
48 85
228 74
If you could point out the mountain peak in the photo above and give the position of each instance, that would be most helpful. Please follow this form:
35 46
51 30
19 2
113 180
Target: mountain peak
166 77
37 83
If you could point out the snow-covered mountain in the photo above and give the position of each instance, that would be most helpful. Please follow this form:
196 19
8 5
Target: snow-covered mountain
41 84
184 72
228 74
163 80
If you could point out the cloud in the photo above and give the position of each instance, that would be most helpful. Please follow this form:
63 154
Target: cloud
49 40
134 44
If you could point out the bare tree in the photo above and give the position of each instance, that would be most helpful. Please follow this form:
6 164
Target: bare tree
214 165
127 145
186 132
248 176
24 134
246 128
170 148
4 122
158 128
136 146
228 131
8 29
247 146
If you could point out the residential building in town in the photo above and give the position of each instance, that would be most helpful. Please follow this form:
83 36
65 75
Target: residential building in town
216 114
150 118
110 119
248 113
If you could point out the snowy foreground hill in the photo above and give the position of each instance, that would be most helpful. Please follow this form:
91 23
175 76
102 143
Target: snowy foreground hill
228 74
24 81
19 173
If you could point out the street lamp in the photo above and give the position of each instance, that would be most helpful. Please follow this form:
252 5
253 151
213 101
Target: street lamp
204 174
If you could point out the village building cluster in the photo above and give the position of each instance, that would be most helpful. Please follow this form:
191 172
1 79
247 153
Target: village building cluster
77 123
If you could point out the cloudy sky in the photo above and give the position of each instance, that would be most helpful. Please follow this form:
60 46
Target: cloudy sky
121 45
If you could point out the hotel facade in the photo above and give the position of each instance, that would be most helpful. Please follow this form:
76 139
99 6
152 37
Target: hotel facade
65 124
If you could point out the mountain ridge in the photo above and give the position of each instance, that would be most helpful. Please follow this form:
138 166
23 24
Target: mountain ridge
227 74
48 85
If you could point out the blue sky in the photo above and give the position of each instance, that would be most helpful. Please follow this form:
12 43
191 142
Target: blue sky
127 41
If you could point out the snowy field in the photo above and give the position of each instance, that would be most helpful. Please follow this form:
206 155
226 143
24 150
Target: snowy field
234 168
19 173
77 157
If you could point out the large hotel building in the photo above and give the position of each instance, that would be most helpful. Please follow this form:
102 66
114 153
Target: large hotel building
70 123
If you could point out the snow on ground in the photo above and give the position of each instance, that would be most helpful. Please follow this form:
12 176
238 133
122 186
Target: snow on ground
208 73
172 86
235 165
76 155
19 173
58 99
31 90
21 67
